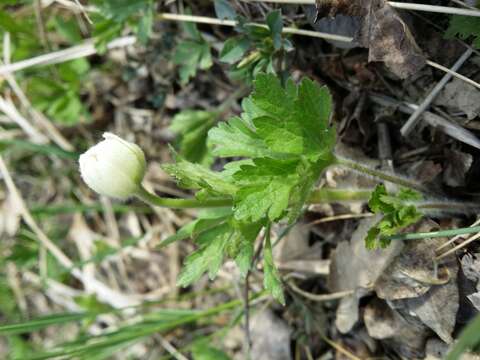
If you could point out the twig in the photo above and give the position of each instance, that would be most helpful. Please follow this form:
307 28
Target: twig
9 109
41 119
462 245
452 129
40 23
454 73
415 117
232 23
74 52
339 217
461 3
434 8
320 297
394 4
452 240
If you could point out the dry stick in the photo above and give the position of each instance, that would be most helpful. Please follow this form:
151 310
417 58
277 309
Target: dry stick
74 52
320 297
394 4
232 23
41 119
104 293
453 73
458 247
455 238
9 109
452 129
415 117
461 3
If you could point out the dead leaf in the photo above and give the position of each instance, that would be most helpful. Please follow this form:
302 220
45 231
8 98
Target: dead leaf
459 95
270 337
475 300
438 307
413 272
401 332
382 31
457 164
471 266
353 267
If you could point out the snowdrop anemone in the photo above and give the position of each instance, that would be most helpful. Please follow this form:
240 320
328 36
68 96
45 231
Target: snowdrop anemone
114 167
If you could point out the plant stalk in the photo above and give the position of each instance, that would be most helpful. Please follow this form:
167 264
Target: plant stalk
317 196
379 174
189 203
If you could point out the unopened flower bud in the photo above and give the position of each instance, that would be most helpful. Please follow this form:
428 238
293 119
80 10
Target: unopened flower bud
114 167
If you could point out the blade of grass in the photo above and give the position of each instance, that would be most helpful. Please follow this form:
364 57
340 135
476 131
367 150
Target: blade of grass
469 338
39 148
40 323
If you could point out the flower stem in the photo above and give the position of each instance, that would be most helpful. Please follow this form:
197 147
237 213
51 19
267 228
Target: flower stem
190 203
318 196
379 174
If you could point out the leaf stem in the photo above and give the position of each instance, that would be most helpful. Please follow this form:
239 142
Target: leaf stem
379 174
433 234
190 203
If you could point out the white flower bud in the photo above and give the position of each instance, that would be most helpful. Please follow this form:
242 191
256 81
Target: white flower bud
114 167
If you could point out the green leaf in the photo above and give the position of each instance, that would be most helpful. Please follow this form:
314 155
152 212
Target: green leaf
191 55
145 25
68 28
265 189
9 24
208 258
234 49
121 10
275 24
203 351
235 138
465 27
195 176
192 127
271 280
206 220
224 10
397 214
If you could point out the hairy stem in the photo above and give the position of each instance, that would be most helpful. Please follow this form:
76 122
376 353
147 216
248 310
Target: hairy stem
318 196
190 203
390 177
432 234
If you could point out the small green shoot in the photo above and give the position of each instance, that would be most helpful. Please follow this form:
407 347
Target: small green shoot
397 214
256 49
192 54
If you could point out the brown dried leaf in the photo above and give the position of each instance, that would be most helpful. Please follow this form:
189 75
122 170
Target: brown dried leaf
353 267
382 31
438 307
401 332
457 165
413 272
